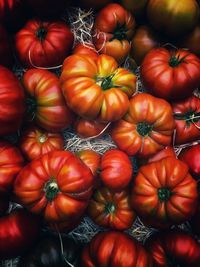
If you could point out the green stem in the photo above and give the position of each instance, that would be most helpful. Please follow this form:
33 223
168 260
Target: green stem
120 33
41 34
164 194
143 128
110 208
175 60
51 189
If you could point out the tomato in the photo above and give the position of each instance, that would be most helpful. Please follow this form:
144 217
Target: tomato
11 162
43 44
89 50
97 4
164 193
173 18
36 142
18 232
116 170
4 205
100 84
5 48
111 210
45 102
191 157
58 186
187 119
168 151
174 248
115 249
146 128
137 8
192 40
12 102
113 30
170 74
143 41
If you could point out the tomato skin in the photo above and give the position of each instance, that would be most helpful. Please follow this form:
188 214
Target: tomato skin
58 186
43 44
4 205
12 102
171 75
136 135
89 50
115 249
172 17
36 142
11 164
18 232
168 151
172 248
191 157
192 39
100 84
111 210
164 193
5 48
187 127
46 103
113 30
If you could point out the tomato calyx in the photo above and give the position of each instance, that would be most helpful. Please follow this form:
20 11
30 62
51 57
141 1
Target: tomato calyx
164 194
42 138
51 189
120 33
105 83
109 208
41 33
176 60
189 117
31 107
143 128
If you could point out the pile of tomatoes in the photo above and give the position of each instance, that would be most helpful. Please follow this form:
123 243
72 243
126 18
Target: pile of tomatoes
91 89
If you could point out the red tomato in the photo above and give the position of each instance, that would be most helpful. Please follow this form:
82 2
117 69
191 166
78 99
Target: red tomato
45 102
36 142
11 163
58 186
192 40
187 120
97 89
12 104
111 210
191 157
164 193
43 44
113 30
174 248
89 50
170 74
4 205
116 170
5 48
18 232
168 151
146 128
115 249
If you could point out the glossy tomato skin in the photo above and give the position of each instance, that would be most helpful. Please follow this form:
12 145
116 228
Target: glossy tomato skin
115 249
100 84
116 170
166 152
173 18
164 193
89 50
36 142
186 114
45 102
192 39
171 75
18 232
146 128
43 44
4 205
191 157
111 209
5 48
58 186
174 248
11 164
12 102
113 30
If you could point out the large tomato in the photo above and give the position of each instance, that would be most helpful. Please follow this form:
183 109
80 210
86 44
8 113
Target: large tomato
192 40
173 249
88 50
146 128
111 210
97 88
18 232
115 249
45 102
43 44
173 17
170 74
12 102
113 30
11 162
187 120
164 193
166 152
58 186
5 48
116 170
36 142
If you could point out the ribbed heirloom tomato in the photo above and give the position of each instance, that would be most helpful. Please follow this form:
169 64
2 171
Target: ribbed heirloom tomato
89 50
45 102
164 193
146 128
97 88
58 186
